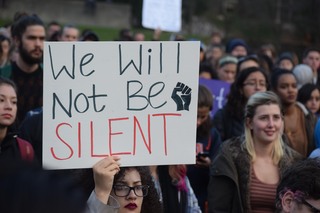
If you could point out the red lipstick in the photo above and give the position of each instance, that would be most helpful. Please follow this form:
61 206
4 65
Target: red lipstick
131 206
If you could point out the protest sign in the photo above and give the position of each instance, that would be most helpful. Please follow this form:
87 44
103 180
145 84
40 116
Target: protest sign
137 100
164 15
219 90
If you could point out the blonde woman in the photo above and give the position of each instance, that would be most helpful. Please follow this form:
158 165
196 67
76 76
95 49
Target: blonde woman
246 172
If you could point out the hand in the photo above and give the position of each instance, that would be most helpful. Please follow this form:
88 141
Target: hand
103 174
181 94
203 162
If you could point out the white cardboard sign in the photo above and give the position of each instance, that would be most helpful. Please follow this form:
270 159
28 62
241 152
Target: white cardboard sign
164 14
137 100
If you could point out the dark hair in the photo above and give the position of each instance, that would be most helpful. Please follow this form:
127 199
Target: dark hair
2 39
236 100
251 57
302 179
308 50
206 67
304 93
285 55
7 81
53 23
151 203
22 22
276 74
125 34
89 35
205 99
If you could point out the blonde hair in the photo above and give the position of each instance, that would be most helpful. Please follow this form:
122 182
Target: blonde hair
256 100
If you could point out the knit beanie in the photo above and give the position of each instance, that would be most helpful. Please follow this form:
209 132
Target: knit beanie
234 43
303 74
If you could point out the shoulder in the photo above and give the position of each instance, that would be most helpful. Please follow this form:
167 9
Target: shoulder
6 71
289 157
315 153
304 109
229 153
234 145
94 205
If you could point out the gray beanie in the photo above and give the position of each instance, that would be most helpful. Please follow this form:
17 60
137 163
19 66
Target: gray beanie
303 74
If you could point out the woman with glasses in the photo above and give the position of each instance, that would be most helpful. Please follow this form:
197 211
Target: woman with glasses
121 190
229 120
247 170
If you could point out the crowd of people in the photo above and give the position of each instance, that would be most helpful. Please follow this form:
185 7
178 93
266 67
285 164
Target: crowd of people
258 153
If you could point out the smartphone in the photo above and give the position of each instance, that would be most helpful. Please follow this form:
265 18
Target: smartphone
203 154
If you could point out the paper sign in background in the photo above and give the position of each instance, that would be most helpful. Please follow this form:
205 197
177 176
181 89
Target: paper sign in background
115 98
164 15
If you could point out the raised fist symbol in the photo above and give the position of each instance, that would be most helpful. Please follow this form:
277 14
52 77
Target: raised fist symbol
181 94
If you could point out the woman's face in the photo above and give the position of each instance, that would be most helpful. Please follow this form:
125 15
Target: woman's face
255 82
266 124
130 203
203 114
287 89
5 46
286 64
313 104
8 105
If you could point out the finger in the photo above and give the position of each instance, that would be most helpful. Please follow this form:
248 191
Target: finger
105 162
188 91
185 89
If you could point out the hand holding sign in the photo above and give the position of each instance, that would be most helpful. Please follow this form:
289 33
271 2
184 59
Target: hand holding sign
184 97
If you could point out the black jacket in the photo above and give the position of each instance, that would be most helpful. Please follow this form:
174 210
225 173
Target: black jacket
227 125
9 149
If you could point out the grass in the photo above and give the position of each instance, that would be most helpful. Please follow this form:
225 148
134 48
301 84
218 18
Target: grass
111 34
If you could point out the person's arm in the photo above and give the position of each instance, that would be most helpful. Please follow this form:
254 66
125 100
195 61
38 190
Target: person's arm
221 191
94 205
193 205
100 199
103 174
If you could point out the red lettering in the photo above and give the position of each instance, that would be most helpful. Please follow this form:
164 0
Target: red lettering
115 133
64 142
145 134
135 124
165 127
91 142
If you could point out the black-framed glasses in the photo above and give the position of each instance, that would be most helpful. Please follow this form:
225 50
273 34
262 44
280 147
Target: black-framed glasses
124 191
312 208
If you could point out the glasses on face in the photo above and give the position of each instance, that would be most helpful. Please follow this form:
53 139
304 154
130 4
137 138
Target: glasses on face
124 191
255 84
312 208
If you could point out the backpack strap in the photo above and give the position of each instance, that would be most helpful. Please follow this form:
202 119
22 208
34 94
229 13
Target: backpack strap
26 149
